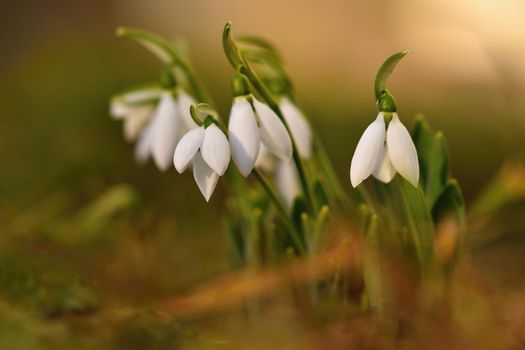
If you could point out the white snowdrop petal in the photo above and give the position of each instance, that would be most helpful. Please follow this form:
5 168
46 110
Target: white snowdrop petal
368 151
143 146
135 121
205 177
124 103
273 132
141 95
265 160
402 151
187 147
243 134
384 170
215 149
166 131
299 127
118 110
185 101
287 181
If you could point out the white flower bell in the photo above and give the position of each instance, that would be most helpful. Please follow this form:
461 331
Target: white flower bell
158 115
169 122
252 124
299 127
209 151
383 152
135 108
287 182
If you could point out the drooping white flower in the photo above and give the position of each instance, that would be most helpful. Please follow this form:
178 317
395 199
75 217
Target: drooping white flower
251 125
134 108
383 152
299 127
159 128
209 151
287 181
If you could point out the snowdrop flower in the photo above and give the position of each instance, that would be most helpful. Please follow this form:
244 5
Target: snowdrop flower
208 149
299 127
382 152
135 108
252 124
287 182
169 122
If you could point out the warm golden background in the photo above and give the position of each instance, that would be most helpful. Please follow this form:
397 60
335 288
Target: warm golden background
61 153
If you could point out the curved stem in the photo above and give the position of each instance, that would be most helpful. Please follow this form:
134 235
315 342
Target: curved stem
195 82
174 55
236 59
269 99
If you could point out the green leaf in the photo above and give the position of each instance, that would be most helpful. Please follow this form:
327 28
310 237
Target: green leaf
299 206
385 71
419 221
433 159
200 111
230 48
261 44
320 194
157 45
506 188
450 202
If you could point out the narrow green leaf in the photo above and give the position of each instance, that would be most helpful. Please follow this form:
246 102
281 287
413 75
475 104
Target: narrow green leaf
157 45
419 221
385 71
450 202
320 194
433 159
230 48
299 206
261 44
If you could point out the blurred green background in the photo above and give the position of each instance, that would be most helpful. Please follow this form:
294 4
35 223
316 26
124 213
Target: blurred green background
68 176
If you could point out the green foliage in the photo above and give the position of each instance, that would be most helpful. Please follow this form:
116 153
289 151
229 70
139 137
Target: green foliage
433 159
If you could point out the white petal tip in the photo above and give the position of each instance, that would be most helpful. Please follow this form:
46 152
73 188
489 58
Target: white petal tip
245 172
355 183
414 182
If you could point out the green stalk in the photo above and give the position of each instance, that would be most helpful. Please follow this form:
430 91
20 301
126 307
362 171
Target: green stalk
419 221
266 95
176 58
281 209
237 59
331 177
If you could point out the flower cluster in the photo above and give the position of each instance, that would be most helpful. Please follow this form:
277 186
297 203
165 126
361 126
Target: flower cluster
282 209
265 130
161 121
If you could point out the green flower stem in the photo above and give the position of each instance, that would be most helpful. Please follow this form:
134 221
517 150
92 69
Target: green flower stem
331 177
419 220
234 178
266 95
281 209
176 58
236 58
